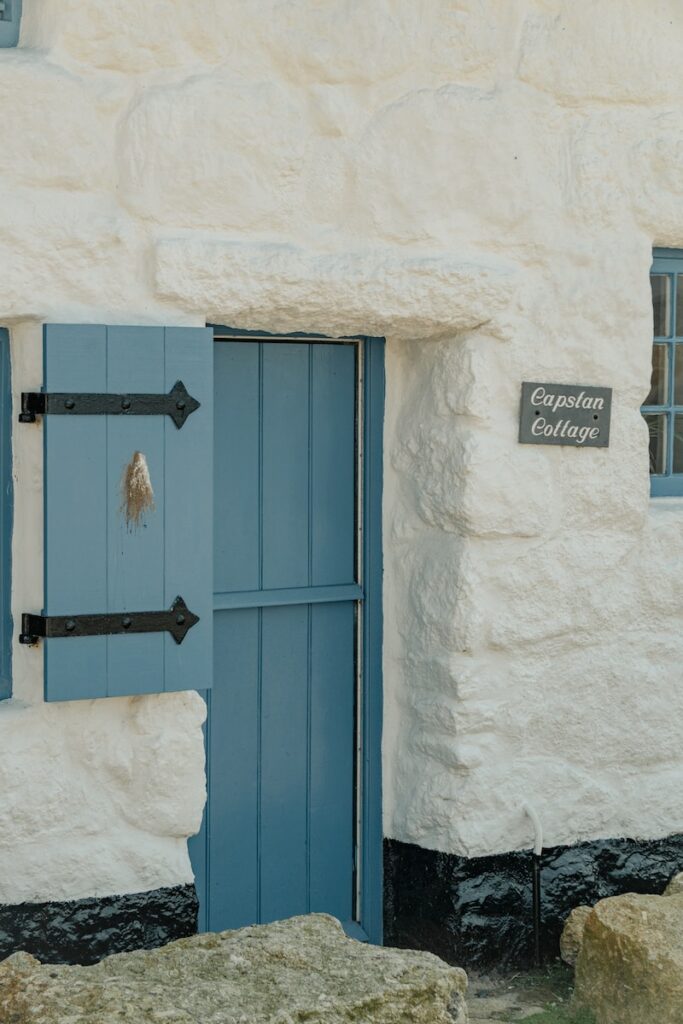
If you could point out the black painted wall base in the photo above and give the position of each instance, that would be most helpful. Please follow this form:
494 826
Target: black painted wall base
477 912
84 931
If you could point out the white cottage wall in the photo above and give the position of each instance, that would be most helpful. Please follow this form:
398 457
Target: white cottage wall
481 182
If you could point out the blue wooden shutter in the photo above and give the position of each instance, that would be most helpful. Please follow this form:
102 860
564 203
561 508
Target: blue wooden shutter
10 16
96 562
6 509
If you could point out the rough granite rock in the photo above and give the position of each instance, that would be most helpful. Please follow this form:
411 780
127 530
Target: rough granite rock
571 939
303 969
675 886
630 968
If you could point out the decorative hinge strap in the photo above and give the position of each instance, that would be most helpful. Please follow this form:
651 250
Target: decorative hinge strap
177 621
178 404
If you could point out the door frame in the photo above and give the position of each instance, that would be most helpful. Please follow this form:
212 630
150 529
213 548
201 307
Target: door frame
369 844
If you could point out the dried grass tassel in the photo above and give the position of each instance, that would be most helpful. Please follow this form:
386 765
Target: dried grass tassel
138 494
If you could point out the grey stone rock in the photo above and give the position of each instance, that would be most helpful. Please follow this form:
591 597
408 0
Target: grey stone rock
675 886
572 935
630 968
303 969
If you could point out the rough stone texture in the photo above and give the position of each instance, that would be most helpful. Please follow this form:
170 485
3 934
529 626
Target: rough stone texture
98 797
630 968
675 886
483 183
83 931
571 939
304 969
477 911
373 293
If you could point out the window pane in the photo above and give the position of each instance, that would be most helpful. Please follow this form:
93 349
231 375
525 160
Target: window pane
678 445
661 304
657 427
679 306
678 374
659 384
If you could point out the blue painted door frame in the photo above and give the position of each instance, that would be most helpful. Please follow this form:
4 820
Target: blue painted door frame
263 614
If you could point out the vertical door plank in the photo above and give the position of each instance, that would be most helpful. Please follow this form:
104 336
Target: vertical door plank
331 762
284 762
75 485
188 504
333 412
135 559
234 771
285 465
237 469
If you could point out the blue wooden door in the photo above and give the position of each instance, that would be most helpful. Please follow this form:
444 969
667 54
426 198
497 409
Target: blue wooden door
281 830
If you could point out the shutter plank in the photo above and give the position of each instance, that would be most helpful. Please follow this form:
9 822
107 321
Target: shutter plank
188 566
75 483
136 552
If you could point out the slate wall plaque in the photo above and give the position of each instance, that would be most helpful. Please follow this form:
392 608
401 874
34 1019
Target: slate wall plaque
572 414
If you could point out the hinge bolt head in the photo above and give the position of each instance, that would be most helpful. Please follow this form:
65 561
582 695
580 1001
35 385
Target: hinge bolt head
70 625
180 619
125 403
69 403
126 622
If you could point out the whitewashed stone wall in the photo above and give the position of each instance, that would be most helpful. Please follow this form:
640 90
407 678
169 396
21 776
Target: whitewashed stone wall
480 181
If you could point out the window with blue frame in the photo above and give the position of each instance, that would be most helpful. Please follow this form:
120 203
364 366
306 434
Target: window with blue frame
6 505
663 408
10 16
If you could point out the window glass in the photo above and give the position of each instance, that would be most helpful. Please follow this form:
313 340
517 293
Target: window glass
678 445
678 375
679 306
661 304
657 429
659 383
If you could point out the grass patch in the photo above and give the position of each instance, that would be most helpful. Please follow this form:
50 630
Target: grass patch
556 980
561 1015
551 987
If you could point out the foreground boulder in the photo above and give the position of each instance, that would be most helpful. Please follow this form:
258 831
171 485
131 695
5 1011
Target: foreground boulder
630 967
675 886
571 939
303 969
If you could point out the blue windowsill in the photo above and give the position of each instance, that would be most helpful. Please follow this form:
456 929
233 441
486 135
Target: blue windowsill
666 486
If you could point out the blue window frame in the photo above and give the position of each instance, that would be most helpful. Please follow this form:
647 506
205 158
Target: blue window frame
6 496
663 407
10 16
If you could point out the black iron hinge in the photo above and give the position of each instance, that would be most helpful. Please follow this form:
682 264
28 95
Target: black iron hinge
177 621
178 404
